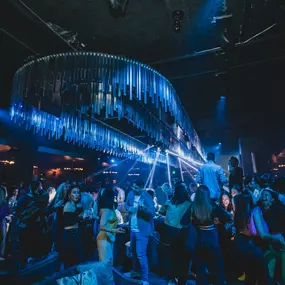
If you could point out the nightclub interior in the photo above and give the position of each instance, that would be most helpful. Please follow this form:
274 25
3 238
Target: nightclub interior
142 142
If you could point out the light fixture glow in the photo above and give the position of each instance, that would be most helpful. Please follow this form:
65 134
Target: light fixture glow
168 169
181 172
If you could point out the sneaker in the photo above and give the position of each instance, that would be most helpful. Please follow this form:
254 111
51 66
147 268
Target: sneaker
242 277
132 274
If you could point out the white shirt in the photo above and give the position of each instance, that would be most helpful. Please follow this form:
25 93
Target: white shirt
213 176
134 218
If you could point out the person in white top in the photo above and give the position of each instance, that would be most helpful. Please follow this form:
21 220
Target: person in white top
212 176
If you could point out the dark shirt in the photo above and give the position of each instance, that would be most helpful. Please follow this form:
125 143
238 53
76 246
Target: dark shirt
236 177
275 218
30 208
217 213
71 218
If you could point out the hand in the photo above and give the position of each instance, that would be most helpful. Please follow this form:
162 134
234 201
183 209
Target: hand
216 221
226 188
119 231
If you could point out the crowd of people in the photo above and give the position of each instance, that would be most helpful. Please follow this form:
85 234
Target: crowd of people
218 229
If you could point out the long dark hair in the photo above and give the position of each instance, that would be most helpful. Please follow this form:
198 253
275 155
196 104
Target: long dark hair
67 196
180 194
230 207
202 206
106 199
2 195
243 209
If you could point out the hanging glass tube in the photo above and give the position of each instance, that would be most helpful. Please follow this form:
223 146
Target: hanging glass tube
62 90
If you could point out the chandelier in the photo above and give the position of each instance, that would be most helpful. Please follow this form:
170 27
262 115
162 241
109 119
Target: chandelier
67 94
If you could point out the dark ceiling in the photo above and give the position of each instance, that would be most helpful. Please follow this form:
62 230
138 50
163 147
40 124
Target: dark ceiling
249 75
146 30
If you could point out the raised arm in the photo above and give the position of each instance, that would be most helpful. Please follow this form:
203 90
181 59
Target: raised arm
262 231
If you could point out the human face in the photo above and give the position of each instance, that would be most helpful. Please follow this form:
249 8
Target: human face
136 189
253 185
75 195
266 200
226 201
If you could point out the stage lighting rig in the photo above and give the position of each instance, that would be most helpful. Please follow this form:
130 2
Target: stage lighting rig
224 23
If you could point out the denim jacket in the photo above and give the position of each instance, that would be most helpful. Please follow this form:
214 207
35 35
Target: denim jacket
145 213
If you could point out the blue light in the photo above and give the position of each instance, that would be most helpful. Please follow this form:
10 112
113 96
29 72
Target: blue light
220 143
112 160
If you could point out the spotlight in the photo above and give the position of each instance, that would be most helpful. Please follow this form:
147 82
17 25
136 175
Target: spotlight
112 160
177 17
220 143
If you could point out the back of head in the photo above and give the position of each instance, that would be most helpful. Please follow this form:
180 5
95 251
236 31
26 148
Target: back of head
234 161
202 207
139 182
180 194
249 179
243 208
107 199
210 156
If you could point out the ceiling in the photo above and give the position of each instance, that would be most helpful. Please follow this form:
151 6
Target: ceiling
250 76
146 30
